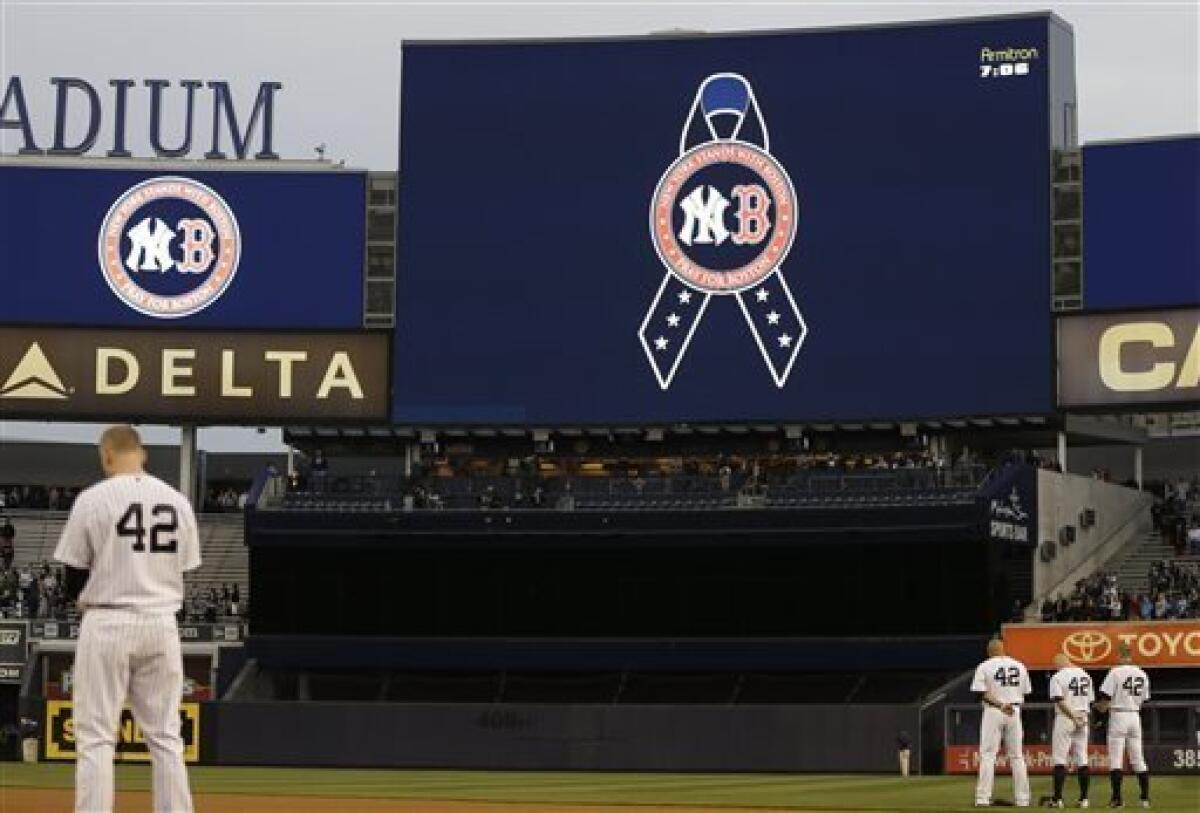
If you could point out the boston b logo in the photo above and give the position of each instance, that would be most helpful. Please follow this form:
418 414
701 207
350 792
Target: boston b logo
722 220
169 247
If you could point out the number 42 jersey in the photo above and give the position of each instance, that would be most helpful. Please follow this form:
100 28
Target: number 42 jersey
1073 686
1004 678
1128 687
136 535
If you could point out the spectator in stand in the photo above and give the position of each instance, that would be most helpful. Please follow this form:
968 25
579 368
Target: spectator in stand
7 534
318 471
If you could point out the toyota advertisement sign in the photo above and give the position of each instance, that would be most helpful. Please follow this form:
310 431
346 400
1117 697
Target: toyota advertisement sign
1093 646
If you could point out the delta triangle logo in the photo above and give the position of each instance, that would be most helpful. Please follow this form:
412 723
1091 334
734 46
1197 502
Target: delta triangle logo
33 377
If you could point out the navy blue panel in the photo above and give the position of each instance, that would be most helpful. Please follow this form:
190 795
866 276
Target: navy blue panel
302 238
1141 224
920 263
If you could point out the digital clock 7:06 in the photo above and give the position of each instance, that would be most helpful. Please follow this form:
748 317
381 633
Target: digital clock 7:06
1004 69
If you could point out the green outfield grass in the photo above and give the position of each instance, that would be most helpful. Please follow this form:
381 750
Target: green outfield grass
828 792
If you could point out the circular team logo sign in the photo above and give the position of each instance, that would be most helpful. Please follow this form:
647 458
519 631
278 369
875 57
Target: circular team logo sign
723 216
169 247
1087 646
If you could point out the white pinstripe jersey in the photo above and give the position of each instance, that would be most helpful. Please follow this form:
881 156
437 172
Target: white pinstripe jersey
1004 678
137 536
1073 686
1128 686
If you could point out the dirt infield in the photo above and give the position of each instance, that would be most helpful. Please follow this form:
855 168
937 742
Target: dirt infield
39 800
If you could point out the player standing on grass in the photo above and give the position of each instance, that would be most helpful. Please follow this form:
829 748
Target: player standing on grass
1124 690
1002 683
126 545
1072 695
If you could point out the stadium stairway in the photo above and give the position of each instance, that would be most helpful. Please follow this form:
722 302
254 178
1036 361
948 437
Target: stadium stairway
1132 565
224 554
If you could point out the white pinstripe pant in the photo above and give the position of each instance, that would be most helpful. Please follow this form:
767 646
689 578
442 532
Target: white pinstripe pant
122 654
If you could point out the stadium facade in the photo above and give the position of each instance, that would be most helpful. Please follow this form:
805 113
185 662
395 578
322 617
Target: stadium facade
677 394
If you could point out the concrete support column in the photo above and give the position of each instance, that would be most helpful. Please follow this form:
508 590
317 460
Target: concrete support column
1062 451
187 461
1137 466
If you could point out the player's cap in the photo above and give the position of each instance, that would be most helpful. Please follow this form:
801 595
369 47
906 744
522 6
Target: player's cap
1124 652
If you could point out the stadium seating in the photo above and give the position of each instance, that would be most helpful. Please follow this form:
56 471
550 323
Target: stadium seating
225 560
817 488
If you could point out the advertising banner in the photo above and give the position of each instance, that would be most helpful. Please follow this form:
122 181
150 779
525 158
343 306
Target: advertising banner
58 676
1011 505
1094 645
235 249
704 228
188 633
1136 359
1161 759
131 742
14 650
146 374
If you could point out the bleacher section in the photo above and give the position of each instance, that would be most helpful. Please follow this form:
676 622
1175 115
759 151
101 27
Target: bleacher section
817 488
225 559
1132 566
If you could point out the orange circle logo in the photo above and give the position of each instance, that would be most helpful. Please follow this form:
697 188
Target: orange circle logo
1087 646
169 247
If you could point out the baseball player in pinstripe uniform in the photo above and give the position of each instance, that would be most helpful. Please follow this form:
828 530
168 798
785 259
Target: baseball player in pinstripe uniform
1072 693
126 545
1125 688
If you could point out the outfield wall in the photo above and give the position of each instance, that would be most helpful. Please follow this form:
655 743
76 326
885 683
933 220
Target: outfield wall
810 738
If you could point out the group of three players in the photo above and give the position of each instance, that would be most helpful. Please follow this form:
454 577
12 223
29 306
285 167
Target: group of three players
1003 683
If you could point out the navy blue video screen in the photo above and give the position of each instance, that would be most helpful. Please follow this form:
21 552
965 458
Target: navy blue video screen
832 225
1141 227
237 249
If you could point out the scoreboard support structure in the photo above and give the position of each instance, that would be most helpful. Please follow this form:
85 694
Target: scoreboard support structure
187 461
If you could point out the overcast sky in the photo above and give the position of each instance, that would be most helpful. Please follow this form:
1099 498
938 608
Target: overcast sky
1137 64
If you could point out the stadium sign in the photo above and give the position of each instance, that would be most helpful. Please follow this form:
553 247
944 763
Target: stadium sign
75 97
725 176
113 246
14 650
75 373
131 741
1094 646
1141 358
188 633
1183 758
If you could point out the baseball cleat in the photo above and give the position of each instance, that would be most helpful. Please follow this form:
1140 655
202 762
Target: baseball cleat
1084 803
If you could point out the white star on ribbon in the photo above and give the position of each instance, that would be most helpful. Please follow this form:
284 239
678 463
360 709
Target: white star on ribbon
660 343
673 320
762 294
772 318
785 340
685 297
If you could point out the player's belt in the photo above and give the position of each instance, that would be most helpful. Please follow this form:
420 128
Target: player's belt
1131 711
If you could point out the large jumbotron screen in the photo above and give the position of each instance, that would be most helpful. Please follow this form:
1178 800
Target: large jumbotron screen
844 224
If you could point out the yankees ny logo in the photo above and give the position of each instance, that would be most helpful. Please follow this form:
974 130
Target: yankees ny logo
722 220
165 225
